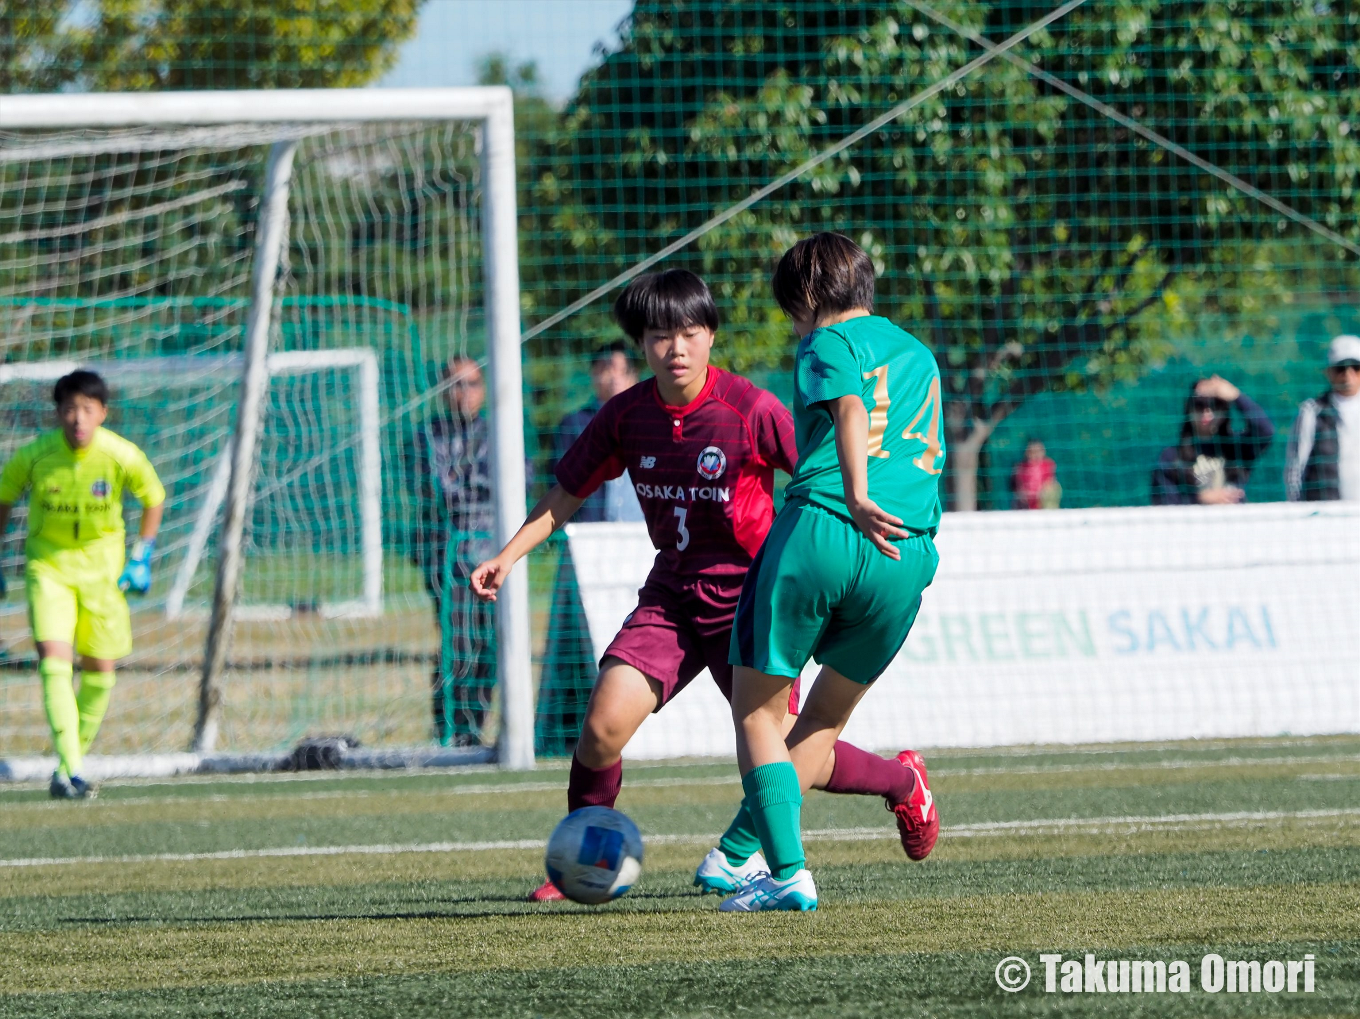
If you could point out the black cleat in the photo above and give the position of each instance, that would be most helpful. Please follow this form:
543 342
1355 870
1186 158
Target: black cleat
73 788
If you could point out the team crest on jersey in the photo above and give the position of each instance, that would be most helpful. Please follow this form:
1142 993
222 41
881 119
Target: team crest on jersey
712 463
100 489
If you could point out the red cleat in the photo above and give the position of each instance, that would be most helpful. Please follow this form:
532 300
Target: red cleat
547 891
918 822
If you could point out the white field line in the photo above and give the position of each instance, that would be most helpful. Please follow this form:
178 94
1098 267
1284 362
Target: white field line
1170 765
502 788
498 789
1080 825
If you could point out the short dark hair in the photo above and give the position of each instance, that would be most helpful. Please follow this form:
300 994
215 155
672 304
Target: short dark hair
824 274
666 300
605 355
80 383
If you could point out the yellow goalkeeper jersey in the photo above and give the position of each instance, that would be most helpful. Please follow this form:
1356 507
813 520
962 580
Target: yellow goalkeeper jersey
76 498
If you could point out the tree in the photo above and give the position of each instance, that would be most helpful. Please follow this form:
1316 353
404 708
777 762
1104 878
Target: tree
1036 245
135 45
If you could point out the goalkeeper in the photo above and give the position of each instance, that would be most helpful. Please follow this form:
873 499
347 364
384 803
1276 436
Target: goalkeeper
75 574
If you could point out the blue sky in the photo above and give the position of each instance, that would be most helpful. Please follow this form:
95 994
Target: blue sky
560 35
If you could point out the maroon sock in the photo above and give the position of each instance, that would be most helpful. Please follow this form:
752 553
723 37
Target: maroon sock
858 771
595 787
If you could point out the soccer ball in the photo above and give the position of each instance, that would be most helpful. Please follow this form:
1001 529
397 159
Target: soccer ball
594 855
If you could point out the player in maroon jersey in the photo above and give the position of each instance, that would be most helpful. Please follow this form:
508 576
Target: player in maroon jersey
701 446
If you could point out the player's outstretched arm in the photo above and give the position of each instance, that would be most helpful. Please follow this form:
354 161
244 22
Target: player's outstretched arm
852 449
552 511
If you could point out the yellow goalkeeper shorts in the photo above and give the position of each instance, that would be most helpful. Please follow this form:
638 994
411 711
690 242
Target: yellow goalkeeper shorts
74 598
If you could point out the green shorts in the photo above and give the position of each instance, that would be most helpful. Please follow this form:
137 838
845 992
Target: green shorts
819 589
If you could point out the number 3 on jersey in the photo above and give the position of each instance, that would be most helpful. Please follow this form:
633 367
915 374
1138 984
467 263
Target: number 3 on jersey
681 512
929 412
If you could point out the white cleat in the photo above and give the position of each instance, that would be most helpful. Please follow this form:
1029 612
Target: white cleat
796 893
715 874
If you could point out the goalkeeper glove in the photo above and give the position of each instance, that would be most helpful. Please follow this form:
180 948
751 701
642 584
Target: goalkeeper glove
136 578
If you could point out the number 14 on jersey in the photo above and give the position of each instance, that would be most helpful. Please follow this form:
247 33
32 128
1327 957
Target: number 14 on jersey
928 412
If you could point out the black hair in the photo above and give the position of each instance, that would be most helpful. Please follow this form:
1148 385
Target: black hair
668 300
824 274
80 383
605 355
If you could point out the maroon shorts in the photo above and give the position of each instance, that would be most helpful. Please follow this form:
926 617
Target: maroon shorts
680 627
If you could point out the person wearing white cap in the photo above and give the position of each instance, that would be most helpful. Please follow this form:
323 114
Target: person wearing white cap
1323 458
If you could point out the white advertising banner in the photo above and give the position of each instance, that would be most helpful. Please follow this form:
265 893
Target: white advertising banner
1077 626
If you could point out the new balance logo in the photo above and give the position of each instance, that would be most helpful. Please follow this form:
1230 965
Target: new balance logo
648 462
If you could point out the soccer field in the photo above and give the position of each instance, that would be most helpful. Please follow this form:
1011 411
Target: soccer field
372 894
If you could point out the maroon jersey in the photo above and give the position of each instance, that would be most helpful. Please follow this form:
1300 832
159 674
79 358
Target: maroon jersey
704 473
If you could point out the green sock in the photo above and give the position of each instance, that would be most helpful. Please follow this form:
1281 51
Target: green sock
776 802
92 702
59 701
741 838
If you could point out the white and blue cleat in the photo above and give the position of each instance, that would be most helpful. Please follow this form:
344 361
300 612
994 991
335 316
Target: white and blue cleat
798 894
715 874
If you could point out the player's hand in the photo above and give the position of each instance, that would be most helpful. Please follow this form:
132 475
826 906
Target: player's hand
1225 496
1218 388
136 576
878 526
487 578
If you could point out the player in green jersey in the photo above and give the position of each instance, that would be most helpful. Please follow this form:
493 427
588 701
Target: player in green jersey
840 575
75 573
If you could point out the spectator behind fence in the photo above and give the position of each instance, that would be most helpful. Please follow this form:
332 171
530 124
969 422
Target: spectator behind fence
455 530
569 668
1034 481
611 373
1212 463
1323 459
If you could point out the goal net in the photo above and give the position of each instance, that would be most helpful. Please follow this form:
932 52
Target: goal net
132 250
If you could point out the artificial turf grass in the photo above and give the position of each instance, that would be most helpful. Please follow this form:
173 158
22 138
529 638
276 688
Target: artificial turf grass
842 877
870 872
272 801
945 763
892 986
208 826
526 864
127 956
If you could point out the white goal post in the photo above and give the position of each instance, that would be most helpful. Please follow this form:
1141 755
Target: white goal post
276 114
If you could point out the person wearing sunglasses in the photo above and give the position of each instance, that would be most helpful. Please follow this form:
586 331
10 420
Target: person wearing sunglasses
1323 458
1212 461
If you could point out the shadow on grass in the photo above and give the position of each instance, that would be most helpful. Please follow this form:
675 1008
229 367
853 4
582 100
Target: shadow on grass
474 907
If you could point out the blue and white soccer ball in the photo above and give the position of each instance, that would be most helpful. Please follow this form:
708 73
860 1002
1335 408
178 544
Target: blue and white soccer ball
594 855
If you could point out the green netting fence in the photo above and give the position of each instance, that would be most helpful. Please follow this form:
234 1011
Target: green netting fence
1073 277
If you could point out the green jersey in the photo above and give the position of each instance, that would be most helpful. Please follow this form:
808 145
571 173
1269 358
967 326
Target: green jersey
899 382
77 494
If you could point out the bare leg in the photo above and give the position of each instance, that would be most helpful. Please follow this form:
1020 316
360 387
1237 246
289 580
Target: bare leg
56 649
760 705
621 701
812 739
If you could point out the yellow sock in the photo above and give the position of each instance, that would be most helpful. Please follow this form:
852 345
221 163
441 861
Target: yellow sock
59 701
92 702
